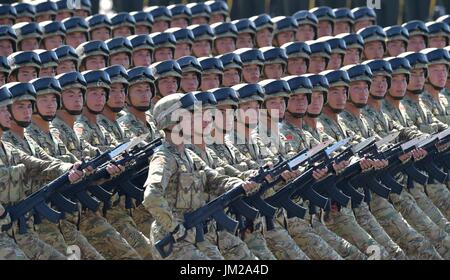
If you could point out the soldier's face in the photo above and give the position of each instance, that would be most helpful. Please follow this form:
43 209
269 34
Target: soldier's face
210 81
224 117
337 97
162 54
396 47
225 45
416 80
42 18
142 58
437 74
160 26
189 82
341 27
201 48
199 20
23 19
94 62
29 44
74 39
379 86
81 13
182 49
65 66
216 18
244 40
120 59
95 99
47 72
231 77
122 31
352 56
7 21
26 74
305 32
285 37
22 110
248 112
52 42
101 33
201 122
5 117
167 85
324 28
276 107
297 66
335 61
264 38
116 96
398 86
141 29
297 104
47 104
359 92
72 99
316 105
273 71
437 42
416 43
179 22
6 47
362 23
62 15
251 73
317 64
140 94
373 50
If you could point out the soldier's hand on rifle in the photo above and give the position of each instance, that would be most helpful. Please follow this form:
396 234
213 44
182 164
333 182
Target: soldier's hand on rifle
379 164
365 164
114 170
288 175
405 157
338 167
250 187
74 173
319 174
419 154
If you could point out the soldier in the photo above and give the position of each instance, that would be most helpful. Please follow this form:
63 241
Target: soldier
364 17
355 47
144 22
344 21
203 40
191 76
326 18
320 56
186 167
122 24
181 15
212 73
120 51
67 59
418 35
76 31
232 69
374 42
338 50
63 10
84 10
219 11
225 37
285 28
264 30
4 70
24 65
92 55
397 38
100 27
246 33
29 35
54 34
184 38
8 15
201 13
161 16
45 10
298 57
439 34
164 48
275 62
252 64
307 26
167 78
49 62
143 47
8 40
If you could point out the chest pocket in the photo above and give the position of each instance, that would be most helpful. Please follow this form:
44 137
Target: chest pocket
191 193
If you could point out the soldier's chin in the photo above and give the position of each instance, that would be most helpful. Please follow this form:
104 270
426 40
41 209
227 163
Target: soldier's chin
116 109
23 124
360 105
48 118
74 112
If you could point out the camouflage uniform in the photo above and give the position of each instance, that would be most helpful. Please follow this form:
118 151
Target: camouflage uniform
55 148
9 250
118 216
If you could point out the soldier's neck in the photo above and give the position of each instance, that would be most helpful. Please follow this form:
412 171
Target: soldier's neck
17 130
92 118
179 146
218 135
432 91
201 145
412 96
138 114
110 115
352 109
295 122
374 103
311 122
66 117
329 113
39 122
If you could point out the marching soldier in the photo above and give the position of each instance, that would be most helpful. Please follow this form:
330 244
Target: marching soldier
120 50
344 21
355 46
123 25
184 40
232 69
418 35
264 30
49 62
63 10
144 22
219 11
8 40
4 70
320 56
77 31
203 40
164 46
191 76
45 10
246 33
92 55
364 17
67 59
252 64
397 38
326 18
439 34
275 62
212 73
181 15
143 47
298 57
25 66
225 38
338 50
100 27
25 12
201 13
285 29
307 26
29 35
162 18
374 42
8 15
54 34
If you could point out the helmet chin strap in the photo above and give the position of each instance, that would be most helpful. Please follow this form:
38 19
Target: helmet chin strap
416 91
295 115
435 87
94 112
313 116
114 109
376 97
395 97
334 110
23 124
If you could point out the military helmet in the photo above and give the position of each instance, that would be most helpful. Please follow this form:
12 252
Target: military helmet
438 29
159 13
337 45
72 80
400 65
118 45
202 32
166 68
53 28
319 82
182 35
25 10
117 74
322 49
8 11
48 85
212 65
66 52
417 60
352 40
85 5
417 27
180 11
396 32
141 42
218 7
359 72
250 56
163 40
48 58
444 18
274 55
306 17
46 8
333 78
190 64
5 96
92 48
22 91
285 23
249 92
299 84
207 99
7 33
344 15
437 56
143 18
22 59
297 49
231 61
97 79
224 29
26 30
275 88
199 10
76 24
166 106
226 96
373 33
245 25
364 13
324 13
65 6
141 74
4 67
263 21
380 67
98 21
123 19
